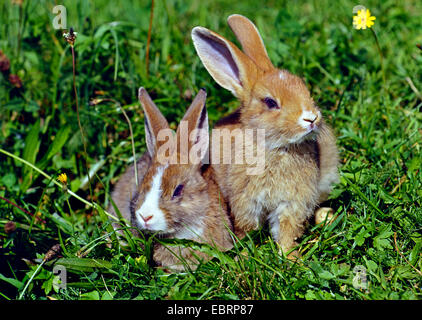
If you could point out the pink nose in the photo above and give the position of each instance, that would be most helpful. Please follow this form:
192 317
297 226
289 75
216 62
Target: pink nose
311 120
146 219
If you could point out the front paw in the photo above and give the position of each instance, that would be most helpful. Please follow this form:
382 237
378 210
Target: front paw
290 252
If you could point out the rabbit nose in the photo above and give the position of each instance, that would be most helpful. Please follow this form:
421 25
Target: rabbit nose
146 219
311 119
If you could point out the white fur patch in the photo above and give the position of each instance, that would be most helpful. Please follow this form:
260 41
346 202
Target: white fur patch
190 232
274 220
150 206
281 75
307 115
327 181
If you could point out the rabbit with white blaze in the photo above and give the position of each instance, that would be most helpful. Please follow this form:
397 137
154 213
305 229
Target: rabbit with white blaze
177 196
301 157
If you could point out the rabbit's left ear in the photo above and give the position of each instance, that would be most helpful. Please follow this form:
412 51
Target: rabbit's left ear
251 41
197 133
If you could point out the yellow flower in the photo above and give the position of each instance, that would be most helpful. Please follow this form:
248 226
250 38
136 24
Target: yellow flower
363 20
62 178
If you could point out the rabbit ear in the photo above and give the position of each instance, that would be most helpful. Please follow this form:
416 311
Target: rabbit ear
226 63
154 122
194 128
251 41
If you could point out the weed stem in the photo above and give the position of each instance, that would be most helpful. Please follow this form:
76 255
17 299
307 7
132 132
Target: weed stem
381 56
149 37
79 119
30 280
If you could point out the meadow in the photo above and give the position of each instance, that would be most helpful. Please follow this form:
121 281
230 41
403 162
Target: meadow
371 95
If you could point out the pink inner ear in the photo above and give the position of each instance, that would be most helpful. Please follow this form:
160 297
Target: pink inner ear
217 53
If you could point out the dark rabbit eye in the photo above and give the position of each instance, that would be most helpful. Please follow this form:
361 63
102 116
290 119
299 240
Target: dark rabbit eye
271 103
178 191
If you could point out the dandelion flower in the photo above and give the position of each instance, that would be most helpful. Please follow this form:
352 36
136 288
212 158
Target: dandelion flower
62 178
363 19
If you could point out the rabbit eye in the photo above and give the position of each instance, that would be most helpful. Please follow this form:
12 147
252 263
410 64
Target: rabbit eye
271 103
178 191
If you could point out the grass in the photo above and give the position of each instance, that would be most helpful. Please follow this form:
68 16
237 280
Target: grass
377 202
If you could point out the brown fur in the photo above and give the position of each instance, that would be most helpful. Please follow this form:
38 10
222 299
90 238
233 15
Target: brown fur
300 165
212 208
199 213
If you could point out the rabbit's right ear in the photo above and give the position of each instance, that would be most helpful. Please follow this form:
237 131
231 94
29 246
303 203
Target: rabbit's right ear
251 41
196 120
226 63
156 126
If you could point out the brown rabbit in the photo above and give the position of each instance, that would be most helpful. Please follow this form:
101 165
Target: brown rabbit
301 156
177 195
